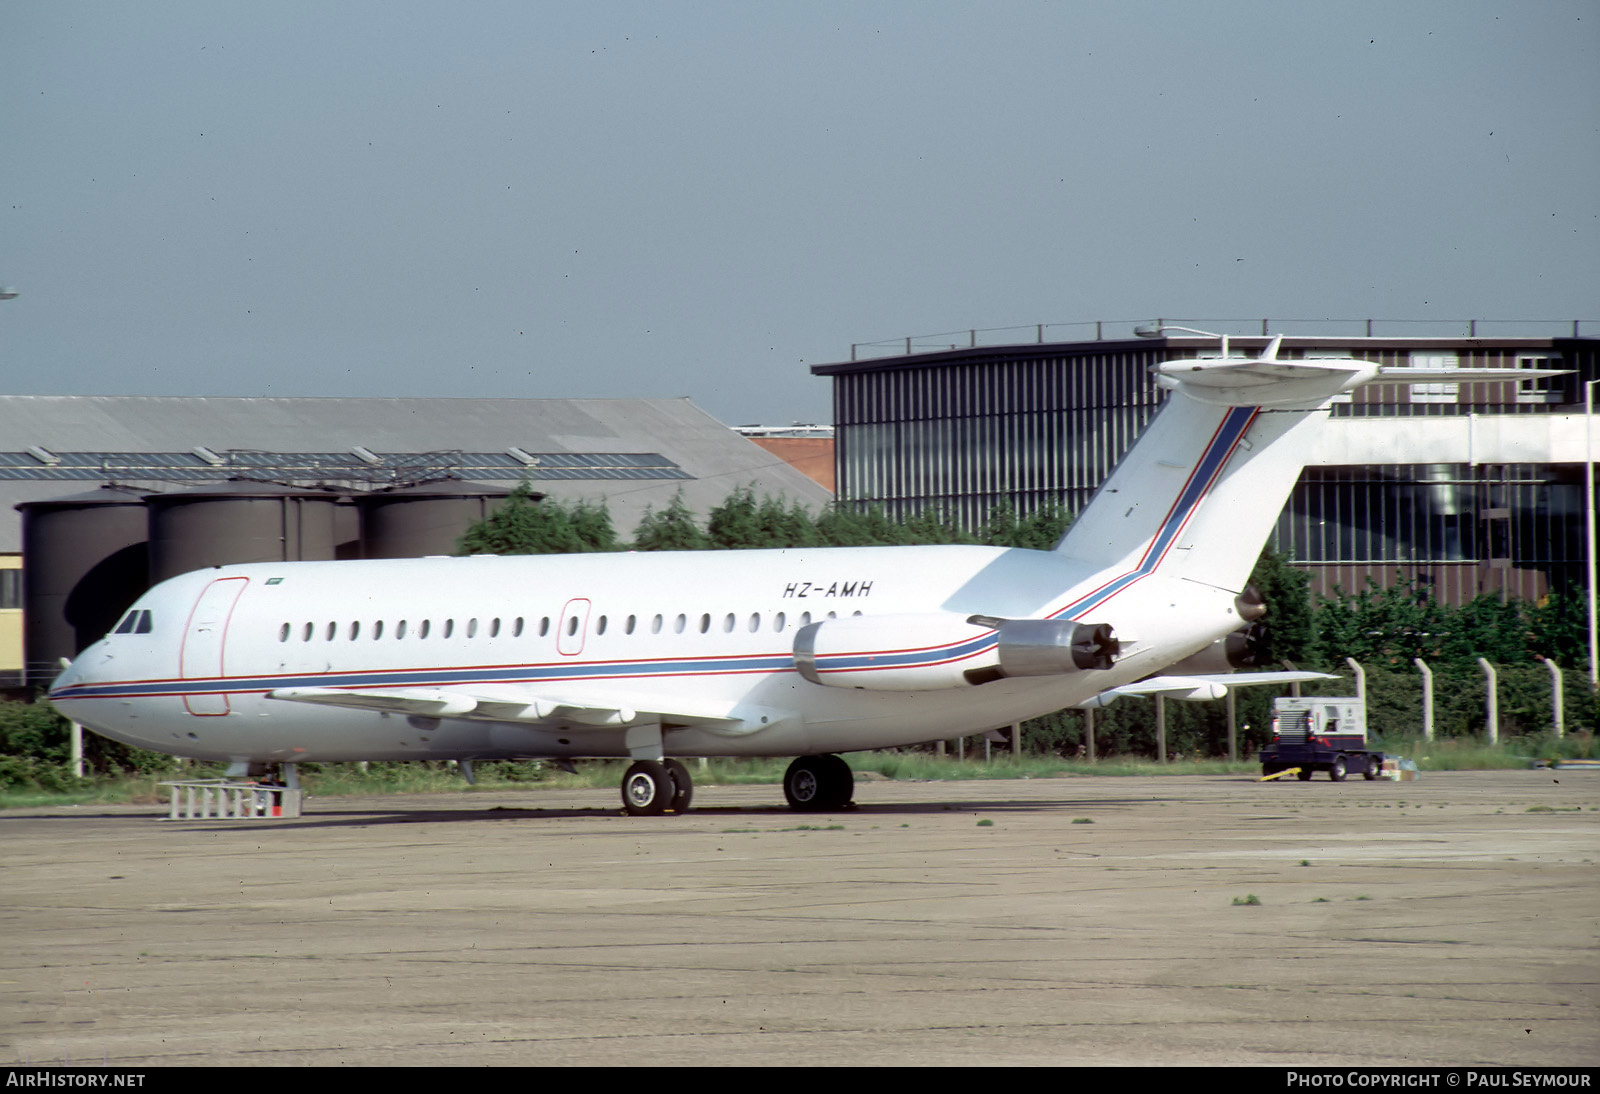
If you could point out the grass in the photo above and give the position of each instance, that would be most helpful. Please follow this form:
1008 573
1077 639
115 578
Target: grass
1471 754
923 766
1249 900
345 779
335 780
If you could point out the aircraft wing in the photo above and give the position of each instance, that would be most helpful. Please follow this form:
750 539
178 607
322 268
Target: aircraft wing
1202 686
507 705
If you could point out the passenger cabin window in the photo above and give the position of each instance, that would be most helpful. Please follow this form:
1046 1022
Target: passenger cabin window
600 625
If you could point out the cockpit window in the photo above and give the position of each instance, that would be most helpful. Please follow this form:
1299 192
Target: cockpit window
135 622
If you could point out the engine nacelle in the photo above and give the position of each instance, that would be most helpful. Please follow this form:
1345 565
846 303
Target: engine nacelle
1050 647
1243 649
931 652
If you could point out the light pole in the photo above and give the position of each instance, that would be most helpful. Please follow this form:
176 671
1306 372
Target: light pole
1588 526
1158 328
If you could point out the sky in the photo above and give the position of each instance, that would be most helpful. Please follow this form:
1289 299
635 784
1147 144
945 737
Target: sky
621 199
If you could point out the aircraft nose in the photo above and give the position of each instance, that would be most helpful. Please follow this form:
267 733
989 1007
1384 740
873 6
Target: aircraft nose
72 674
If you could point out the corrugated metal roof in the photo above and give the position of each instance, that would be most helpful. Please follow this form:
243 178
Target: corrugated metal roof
386 467
631 453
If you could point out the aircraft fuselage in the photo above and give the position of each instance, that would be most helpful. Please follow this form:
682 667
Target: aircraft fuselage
700 642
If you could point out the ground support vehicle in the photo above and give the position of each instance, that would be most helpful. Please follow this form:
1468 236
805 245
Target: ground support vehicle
1321 733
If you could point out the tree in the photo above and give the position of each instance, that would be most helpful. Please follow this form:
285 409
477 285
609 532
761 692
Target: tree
1291 630
1389 626
781 526
592 525
1559 628
844 526
734 523
1043 529
933 527
522 526
672 529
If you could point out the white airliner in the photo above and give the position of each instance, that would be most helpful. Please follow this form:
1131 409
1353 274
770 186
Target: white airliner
807 652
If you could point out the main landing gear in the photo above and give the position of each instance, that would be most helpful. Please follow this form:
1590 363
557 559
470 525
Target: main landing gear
818 784
813 784
653 787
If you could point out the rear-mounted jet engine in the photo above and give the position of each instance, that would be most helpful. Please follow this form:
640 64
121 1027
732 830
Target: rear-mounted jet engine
934 651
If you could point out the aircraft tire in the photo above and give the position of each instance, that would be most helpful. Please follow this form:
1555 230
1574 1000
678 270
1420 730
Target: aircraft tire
647 789
842 786
682 786
813 784
1338 770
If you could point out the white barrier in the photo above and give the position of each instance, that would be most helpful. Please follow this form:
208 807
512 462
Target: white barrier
207 799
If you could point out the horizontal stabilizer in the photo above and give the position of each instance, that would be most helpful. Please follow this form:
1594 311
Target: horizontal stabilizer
1263 380
1266 381
1407 374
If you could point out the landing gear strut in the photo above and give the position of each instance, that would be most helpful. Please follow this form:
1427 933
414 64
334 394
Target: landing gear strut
651 788
269 774
818 784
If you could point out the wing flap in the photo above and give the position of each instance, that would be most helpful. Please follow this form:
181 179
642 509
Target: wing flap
512 705
421 701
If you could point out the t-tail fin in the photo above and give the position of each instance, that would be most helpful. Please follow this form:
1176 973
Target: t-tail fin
1198 494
